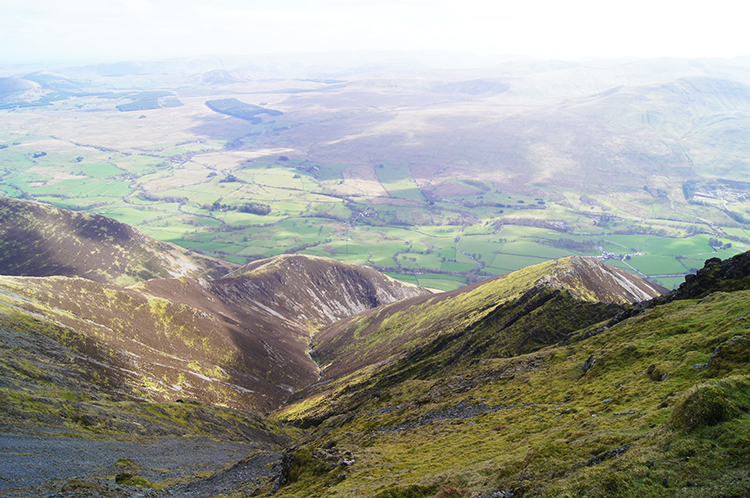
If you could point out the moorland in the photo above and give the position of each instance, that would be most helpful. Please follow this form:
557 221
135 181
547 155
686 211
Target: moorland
438 170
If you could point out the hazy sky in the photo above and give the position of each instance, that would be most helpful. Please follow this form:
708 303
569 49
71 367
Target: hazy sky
111 30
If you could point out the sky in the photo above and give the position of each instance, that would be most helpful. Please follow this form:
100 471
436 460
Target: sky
33 31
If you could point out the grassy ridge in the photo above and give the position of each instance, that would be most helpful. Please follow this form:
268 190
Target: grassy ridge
555 297
653 406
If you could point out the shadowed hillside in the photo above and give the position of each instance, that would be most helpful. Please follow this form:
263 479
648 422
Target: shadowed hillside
238 341
38 240
567 378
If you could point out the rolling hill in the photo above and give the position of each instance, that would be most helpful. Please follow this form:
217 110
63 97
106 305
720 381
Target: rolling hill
627 156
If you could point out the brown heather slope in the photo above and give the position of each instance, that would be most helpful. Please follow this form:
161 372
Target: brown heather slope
316 291
239 341
39 240
568 292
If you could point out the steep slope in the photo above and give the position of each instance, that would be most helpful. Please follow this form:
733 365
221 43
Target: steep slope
655 405
553 289
240 341
38 240
317 291
716 275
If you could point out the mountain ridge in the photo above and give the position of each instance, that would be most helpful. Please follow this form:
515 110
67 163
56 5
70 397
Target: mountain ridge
654 405
239 339
234 351
522 385
584 279
42 240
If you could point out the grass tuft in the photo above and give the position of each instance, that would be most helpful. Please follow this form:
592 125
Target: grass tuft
413 491
452 492
710 403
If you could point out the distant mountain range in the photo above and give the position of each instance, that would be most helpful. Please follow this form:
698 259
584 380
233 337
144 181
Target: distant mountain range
540 122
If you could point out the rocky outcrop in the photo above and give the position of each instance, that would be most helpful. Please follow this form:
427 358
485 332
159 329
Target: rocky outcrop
729 275
716 275
591 279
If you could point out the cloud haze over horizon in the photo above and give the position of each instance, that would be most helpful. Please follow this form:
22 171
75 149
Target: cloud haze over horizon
96 30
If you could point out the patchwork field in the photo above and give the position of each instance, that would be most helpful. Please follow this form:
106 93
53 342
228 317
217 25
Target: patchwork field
430 186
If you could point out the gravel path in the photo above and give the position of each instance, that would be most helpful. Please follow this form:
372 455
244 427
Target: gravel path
32 465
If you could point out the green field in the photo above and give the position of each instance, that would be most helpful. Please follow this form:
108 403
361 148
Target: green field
195 192
397 180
